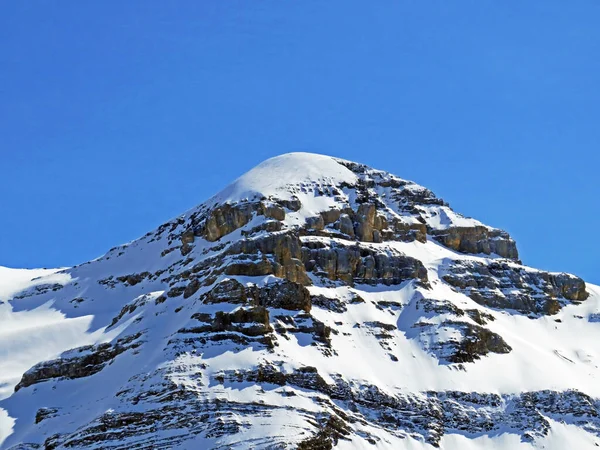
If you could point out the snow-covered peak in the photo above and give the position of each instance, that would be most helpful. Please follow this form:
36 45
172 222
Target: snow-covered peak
313 303
274 177
309 185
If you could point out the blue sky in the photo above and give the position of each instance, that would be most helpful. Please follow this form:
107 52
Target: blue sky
116 116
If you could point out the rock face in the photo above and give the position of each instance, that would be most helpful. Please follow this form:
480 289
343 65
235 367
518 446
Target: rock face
360 264
285 295
225 219
452 334
247 321
79 363
282 295
478 239
477 341
507 286
315 303
228 291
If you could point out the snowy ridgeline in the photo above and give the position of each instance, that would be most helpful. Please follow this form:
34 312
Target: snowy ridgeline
313 303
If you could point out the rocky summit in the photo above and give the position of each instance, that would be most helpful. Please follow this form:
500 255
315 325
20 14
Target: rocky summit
314 303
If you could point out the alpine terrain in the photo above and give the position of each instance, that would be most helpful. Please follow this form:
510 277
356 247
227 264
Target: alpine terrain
314 303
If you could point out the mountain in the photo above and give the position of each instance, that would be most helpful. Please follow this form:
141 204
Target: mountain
314 303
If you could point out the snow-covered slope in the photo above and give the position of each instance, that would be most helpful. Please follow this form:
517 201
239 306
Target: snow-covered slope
313 303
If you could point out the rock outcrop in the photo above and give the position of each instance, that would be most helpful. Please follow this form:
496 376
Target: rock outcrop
444 330
505 285
478 239
360 264
386 209
78 363
253 321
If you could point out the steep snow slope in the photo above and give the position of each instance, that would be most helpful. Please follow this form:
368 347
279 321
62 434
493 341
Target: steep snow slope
30 336
314 302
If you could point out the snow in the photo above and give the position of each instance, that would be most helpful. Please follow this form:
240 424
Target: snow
29 336
33 335
442 218
15 280
275 176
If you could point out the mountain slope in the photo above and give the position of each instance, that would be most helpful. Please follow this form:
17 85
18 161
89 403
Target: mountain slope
314 302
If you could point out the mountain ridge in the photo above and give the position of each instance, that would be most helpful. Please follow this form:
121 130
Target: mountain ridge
314 302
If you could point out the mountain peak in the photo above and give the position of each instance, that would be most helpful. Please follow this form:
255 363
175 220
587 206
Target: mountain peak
274 176
308 185
314 302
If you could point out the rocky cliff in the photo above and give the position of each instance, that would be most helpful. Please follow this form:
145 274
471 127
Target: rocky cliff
314 303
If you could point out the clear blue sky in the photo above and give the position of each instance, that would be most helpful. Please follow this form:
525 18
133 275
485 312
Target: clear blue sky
118 115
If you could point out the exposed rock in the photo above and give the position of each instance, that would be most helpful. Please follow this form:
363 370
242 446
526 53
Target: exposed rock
176 291
477 341
346 226
285 295
479 316
434 414
331 304
187 237
408 232
331 216
44 288
224 219
286 250
274 212
304 323
77 363
330 432
569 286
380 330
186 249
478 239
253 321
166 251
229 290
293 204
129 309
251 268
315 223
258 316
442 330
269 226
437 307
358 264
45 413
321 331
191 288
426 417
365 218
503 285
134 278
